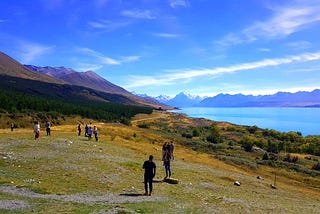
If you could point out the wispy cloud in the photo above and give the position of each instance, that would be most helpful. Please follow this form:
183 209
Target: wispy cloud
138 14
167 35
2 20
108 60
173 76
284 22
30 51
264 49
88 67
103 59
178 3
127 59
299 45
108 25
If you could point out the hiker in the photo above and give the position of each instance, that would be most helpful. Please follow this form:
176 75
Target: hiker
48 128
149 172
166 162
89 133
86 130
36 130
164 148
79 129
95 132
12 126
171 148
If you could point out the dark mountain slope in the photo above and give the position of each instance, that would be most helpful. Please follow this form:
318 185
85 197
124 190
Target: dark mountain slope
68 93
92 80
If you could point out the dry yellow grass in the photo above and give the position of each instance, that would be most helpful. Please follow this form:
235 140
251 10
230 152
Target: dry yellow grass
113 165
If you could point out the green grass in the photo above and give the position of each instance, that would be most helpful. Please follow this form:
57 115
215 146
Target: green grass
65 164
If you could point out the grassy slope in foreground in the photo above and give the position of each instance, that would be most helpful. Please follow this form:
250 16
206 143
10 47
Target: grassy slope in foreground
65 173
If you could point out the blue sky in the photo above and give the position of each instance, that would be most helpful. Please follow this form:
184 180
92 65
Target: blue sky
164 47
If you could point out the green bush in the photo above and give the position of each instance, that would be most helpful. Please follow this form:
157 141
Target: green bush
316 166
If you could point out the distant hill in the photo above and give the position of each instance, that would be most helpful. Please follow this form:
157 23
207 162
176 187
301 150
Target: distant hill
280 99
91 80
10 67
15 77
88 79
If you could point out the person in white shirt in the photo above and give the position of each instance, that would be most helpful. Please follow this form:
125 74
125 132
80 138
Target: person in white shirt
36 130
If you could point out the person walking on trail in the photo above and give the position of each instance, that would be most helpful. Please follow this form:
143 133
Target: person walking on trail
79 129
86 130
48 128
149 172
89 133
36 130
171 149
12 126
166 163
164 148
95 132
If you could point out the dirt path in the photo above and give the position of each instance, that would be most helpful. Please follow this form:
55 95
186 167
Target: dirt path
88 199
149 118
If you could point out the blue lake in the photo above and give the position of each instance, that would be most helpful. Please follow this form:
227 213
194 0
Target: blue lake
304 120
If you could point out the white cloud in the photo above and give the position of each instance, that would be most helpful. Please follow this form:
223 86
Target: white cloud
103 59
107 25
283 22
88 67
108 60
138 14
264 49
167 35
129 59
30 51
299 45
173 76
178 3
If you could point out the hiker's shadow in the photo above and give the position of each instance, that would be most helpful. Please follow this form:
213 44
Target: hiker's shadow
131 194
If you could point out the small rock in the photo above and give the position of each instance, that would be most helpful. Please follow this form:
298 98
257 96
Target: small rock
237 183
259 177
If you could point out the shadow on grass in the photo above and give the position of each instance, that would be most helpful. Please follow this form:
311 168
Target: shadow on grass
131 194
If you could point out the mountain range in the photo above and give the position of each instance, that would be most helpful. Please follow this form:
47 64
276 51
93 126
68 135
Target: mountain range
63 84
280 99
68 84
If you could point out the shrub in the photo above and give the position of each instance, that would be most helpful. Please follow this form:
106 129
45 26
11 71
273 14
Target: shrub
143 125
214 136
316 166
186 135
196 132
252 129
290 159
266 156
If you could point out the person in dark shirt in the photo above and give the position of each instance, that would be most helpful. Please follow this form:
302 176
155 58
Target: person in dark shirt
149 172
79 129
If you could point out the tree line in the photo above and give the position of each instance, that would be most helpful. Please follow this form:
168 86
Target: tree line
11 102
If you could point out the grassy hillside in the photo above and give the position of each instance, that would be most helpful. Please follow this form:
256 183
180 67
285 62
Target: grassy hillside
11 67
65 173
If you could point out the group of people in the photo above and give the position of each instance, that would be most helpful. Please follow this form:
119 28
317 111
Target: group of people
88 131
36 129
150 167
